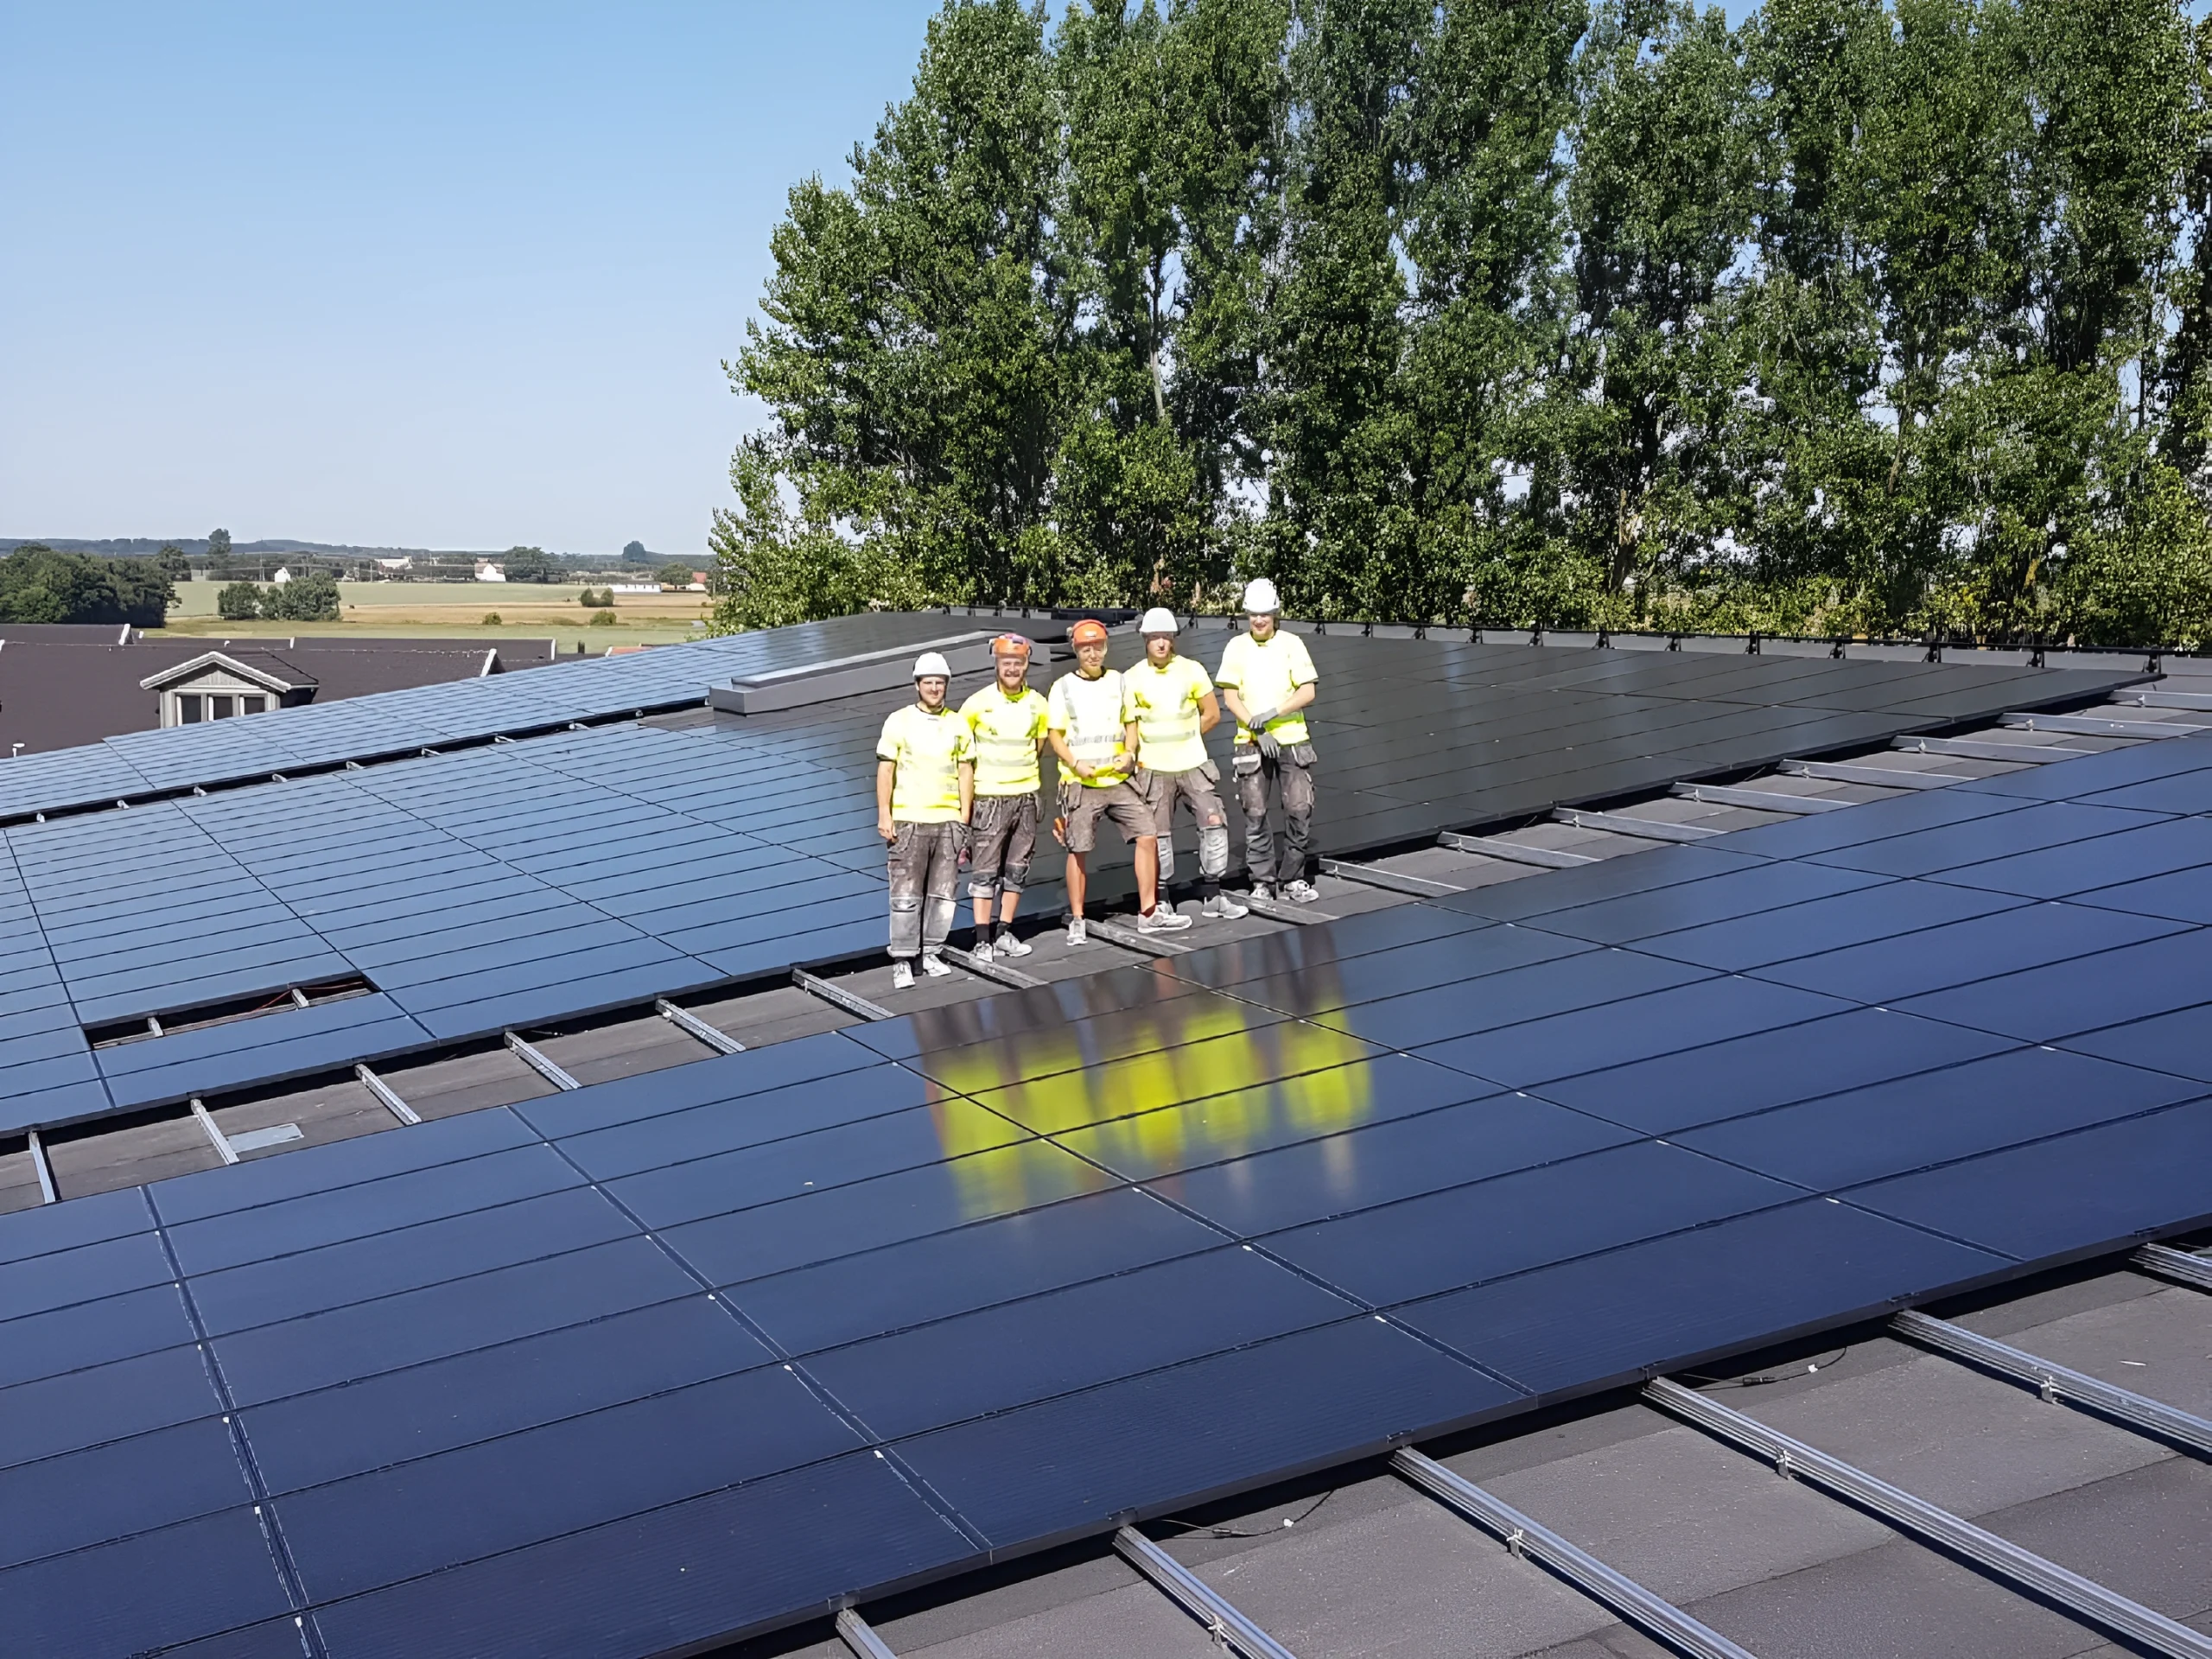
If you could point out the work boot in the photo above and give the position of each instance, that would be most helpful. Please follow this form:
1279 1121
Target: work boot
1162 919
1224 908
1011 945
1078 933
983 949
1300 892
934 965
902 975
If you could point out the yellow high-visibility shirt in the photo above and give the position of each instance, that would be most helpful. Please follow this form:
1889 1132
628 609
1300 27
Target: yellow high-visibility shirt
1089 713
1164 702
929 750
1265 676
1008 731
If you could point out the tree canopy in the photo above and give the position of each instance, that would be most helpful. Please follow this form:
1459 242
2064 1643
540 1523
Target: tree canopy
37 584
527 564
1866 315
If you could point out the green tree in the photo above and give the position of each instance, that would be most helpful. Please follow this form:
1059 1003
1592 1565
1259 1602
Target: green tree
38 584
526 564
634 553
238 602
1873 314
312 596
676 575
1643 416
172 564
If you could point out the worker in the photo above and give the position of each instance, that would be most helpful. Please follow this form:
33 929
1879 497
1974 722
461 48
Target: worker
1090 735
1267 679
1170 706
1008 720
925 792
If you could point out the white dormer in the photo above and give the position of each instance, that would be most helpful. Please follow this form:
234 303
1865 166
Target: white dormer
216 685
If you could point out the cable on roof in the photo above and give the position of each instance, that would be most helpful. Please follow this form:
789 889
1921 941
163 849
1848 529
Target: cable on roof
1268 1532
1761 1381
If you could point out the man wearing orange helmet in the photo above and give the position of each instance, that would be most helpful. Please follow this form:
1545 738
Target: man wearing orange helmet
1090 737
1008 720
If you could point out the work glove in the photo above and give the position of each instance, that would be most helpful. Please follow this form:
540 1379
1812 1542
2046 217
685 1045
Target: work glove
1266 742
1260 718
963 838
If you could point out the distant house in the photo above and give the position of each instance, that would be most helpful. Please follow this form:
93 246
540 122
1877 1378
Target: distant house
391 566
633 586
283 575
487 571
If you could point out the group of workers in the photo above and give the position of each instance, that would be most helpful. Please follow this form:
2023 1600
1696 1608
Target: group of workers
966 784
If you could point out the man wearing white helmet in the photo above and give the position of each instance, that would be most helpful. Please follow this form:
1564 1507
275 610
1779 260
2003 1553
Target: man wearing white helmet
1170 706
1267 679
925 792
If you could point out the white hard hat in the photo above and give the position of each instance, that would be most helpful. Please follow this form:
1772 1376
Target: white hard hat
1260 598
931 664
1159 619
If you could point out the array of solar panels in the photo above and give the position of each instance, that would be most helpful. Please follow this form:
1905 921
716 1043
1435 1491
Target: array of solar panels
398 723
665 1360
514 884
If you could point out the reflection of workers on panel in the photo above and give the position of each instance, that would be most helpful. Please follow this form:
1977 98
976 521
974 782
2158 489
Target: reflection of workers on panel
925 790
1008 721
1090 737
1171 706
1267 679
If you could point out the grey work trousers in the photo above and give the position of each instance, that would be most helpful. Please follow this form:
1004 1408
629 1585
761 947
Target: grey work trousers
1291 773
925 869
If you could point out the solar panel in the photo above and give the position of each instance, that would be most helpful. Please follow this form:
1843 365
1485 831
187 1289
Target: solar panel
664 1361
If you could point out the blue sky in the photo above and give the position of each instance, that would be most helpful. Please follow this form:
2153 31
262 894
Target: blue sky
455 274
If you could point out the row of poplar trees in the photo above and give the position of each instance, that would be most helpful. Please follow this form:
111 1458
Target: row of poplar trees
1865 316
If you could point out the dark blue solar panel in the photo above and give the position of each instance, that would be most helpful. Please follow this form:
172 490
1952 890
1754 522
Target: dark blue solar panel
1059 1256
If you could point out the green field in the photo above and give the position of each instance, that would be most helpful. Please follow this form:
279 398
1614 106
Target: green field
446 610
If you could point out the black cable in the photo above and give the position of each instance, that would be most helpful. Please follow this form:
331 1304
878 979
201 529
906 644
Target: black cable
1769 1377
1231 1532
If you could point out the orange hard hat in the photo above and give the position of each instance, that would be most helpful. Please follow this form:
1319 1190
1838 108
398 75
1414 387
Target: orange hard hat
1011 644
1087 633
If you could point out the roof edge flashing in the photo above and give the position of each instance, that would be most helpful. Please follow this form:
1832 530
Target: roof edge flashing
846 677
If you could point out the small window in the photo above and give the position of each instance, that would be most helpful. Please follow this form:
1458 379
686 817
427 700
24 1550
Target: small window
187 709
218 707
250 704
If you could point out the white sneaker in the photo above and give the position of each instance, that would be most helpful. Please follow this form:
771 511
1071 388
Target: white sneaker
902 975
1163 920
1010 946
1300 892
1224 907
1264 890
1078 933
934 965
983 950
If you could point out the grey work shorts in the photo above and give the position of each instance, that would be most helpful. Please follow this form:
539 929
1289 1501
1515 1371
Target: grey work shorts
1161 790
1082 806
1005 839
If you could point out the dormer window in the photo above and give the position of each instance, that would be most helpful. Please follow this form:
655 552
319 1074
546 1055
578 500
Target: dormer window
217 685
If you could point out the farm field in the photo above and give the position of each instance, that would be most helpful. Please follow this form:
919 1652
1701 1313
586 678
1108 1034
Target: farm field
434 610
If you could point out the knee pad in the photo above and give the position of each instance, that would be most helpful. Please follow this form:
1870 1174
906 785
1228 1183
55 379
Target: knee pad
1016 877
905 903
1213 851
